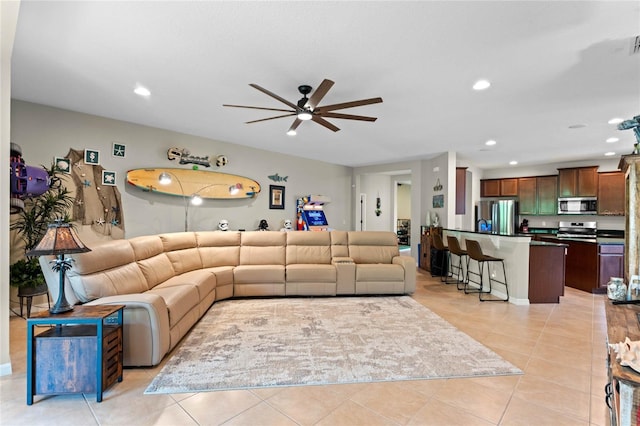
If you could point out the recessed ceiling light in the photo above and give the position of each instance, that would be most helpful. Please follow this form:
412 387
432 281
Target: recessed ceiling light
481 85
142 91
292 133
615 121
612 140
577 126
490 142
609 154
513 163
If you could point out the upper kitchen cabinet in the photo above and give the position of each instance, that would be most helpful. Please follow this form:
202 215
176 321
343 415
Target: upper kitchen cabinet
499 187
578 182
538 195
611 187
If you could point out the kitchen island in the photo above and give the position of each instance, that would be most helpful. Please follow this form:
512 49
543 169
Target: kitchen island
591 262
514 249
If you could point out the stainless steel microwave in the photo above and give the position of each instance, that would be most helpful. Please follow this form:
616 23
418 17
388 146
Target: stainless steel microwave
578 205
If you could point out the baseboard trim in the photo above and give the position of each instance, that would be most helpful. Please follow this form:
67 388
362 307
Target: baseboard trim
5 369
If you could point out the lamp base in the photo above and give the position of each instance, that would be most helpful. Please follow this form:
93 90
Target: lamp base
59 308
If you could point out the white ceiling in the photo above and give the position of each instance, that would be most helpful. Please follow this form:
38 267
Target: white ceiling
552 64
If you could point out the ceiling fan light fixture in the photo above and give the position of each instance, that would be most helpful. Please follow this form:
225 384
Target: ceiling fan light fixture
305 115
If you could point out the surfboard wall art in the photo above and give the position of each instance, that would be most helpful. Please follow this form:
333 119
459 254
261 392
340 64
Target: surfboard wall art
187 182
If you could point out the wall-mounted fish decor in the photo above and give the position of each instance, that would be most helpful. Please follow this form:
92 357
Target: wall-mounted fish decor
278 178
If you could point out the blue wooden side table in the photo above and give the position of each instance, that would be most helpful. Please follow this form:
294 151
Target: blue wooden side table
81 353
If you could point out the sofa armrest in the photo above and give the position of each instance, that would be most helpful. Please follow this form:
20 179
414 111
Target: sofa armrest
409 265
345 275
146 327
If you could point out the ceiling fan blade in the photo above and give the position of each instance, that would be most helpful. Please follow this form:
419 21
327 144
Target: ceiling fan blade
252 107
348 104
270 118
348 116
295 125
324 123
320 92
273 95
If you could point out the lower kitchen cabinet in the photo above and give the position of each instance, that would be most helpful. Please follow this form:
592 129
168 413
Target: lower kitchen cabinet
610 263
546 272
590 264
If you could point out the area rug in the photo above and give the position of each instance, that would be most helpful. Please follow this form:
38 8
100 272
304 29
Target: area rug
252 343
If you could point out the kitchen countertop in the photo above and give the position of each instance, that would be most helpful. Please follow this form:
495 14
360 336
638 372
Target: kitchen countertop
548 243
599 240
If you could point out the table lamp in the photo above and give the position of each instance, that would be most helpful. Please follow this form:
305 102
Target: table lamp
59 240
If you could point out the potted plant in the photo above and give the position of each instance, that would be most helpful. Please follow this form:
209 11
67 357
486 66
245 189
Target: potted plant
31 224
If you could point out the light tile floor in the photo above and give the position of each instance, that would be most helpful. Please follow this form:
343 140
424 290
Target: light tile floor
560 347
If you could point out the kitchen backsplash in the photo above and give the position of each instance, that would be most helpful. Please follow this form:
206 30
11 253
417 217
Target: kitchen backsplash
604 222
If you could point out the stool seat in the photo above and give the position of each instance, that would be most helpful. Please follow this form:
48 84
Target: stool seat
475 253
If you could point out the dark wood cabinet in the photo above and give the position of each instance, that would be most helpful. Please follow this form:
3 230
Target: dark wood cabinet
490 188
578 182
611 193
461 190
546 273
527 196
610 263
507 187
425 252
538 195
582 266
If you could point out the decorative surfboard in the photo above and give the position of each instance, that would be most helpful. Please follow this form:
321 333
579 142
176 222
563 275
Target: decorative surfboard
187 182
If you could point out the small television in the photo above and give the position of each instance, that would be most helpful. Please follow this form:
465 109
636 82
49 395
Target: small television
315 218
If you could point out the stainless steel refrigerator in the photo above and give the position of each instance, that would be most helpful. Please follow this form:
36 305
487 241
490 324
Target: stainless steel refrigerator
497 216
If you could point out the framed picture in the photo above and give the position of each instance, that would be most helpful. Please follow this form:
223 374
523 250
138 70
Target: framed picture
438 201
63 164
276 197
108 178
118 150
91 156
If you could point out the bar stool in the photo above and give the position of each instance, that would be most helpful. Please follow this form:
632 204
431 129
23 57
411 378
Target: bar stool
454 248
475 253
438 244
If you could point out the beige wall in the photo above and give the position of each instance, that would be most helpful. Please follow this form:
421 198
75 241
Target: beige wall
8 21
45 132
404 201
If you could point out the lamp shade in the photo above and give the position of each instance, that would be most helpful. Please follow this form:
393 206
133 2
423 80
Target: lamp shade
60 238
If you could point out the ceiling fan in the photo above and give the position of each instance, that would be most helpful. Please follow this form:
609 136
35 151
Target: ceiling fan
308 108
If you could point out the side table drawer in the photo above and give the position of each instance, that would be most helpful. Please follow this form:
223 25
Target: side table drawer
65 359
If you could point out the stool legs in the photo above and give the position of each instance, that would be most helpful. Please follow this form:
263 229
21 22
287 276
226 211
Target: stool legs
480 283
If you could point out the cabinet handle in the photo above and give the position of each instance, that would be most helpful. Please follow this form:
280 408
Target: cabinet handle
608 394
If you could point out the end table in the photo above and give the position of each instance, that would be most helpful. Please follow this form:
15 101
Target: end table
81 354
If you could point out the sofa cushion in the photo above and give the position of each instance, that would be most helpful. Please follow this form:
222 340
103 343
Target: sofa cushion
180 299
339 244
156 269
219 248
185 260
308 247
178 241
125 279
103 256
310 273
379 272
146 246
263 248
373 246
204 280
245 274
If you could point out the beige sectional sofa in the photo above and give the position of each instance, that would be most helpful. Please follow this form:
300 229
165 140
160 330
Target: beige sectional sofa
168 281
